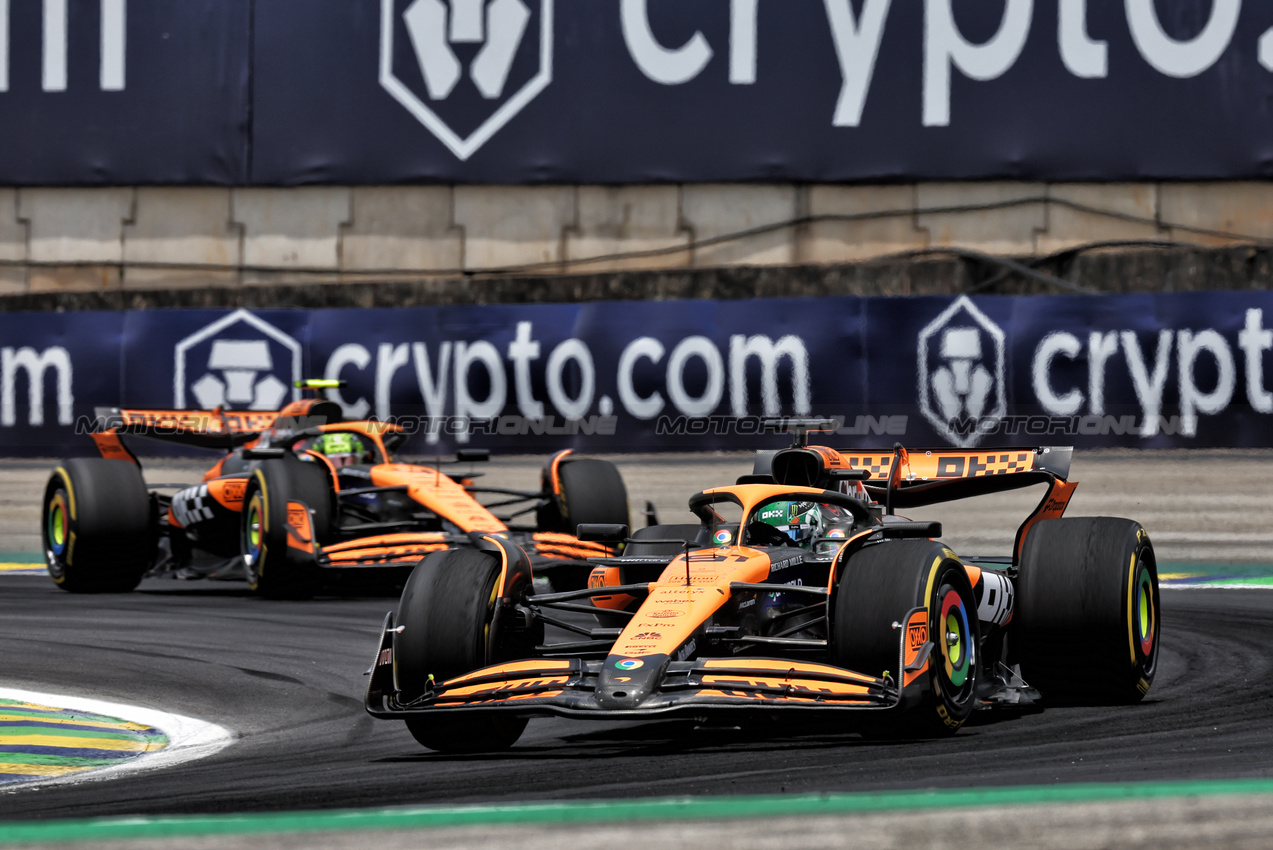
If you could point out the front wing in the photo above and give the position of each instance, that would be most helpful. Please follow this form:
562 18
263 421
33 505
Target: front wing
572 687
405 550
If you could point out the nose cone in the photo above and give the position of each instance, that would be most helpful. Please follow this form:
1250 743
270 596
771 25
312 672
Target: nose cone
627 681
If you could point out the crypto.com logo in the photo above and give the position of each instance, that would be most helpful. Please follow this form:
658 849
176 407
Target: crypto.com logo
440 32
239 361
961 373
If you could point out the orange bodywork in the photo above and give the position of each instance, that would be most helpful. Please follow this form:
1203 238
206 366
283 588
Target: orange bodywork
397 547
609 577
111 447
786 677
916 637
439 494
201 421
693 587
229 492
300 532
554 472
925 466
542 679
1052 507
553 544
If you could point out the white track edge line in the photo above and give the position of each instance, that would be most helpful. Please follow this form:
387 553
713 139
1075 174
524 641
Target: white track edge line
188 738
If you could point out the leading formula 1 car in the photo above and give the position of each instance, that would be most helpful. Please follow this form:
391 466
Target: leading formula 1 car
800 592
301 499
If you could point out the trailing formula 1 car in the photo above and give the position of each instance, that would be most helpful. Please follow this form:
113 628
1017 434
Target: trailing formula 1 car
800 592
300 499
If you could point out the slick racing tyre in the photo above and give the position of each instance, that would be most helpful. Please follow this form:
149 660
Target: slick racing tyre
274 569
590 491
1086 624
445 619
99 527
876 589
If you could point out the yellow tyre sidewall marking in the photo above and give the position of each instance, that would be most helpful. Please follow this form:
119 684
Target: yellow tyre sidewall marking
61 473
1131 608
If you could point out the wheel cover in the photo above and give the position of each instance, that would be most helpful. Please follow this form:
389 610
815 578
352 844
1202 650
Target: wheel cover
252 532
954 640
1145 614
58 527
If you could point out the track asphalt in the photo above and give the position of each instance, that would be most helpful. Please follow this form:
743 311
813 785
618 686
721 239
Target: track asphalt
1188 767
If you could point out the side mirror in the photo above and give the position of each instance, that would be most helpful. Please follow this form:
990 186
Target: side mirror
472 455
602 532
911 530
270 453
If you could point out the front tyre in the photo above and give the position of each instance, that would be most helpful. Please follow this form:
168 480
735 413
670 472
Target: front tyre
98 526
274 569
876 589
1086 624
446 628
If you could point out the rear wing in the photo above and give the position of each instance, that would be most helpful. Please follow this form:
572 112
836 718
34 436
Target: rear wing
209 429
901 479
820 466
202 428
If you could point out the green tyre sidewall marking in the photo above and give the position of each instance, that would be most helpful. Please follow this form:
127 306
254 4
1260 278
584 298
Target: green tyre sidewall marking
255 547
60 494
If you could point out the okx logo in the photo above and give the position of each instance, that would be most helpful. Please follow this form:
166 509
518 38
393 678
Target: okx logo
240 361
464 68
961 373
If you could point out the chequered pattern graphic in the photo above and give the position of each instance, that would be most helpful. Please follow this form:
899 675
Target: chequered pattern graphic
188 506
929 465
877 465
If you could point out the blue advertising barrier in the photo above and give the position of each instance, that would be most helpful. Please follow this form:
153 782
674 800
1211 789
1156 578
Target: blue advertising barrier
1170 370
97 92
281 92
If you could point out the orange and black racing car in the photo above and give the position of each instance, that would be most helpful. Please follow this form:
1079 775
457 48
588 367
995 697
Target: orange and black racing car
800 591
300 500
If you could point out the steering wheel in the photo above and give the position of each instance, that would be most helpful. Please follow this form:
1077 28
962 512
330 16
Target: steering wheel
766 535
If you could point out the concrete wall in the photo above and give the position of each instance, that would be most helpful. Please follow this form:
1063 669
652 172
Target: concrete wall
156 238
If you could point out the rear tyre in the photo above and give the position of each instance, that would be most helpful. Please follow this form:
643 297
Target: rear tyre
274 569
876 589
590 491
1086 625
99 528
445 619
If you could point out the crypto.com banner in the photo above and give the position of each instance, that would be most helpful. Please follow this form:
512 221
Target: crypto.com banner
268 92
1187 370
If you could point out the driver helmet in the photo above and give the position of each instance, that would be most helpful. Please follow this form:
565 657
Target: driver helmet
341 448
801 521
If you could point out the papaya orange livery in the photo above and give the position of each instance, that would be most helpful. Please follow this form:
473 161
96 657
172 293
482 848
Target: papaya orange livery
804 590
300 498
